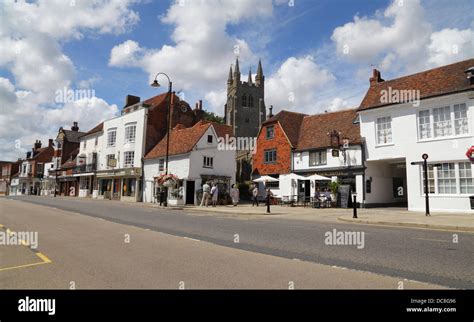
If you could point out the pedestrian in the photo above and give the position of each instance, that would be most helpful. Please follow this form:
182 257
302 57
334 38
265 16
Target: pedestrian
206 190
234 194
214 194
255 195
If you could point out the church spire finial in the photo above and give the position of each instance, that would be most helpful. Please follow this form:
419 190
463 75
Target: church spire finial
250 77
237 70
229 79
259 78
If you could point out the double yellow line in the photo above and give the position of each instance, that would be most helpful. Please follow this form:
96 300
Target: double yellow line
44 259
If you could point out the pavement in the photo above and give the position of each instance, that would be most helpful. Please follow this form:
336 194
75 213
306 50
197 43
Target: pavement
435 257
377 216
85 252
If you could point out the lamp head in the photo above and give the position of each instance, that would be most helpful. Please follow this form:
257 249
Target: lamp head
155 84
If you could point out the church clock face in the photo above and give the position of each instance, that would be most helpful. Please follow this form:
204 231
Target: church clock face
183 108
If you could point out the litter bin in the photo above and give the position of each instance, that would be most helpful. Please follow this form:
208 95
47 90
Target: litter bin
471 198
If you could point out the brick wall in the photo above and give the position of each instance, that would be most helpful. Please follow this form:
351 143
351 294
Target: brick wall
283 147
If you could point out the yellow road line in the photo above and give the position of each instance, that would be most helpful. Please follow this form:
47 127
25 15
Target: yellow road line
43 258
438 240
21 266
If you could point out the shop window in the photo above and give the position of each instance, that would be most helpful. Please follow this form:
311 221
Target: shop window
129 187
465 178
446 179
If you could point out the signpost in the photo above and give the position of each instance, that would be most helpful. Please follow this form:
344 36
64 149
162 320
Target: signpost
425 181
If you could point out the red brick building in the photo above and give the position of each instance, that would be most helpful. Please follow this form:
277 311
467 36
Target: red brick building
276 139
7 170
32 168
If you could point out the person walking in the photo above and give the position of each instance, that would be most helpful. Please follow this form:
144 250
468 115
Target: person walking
255 195
214 194
234 194
206 190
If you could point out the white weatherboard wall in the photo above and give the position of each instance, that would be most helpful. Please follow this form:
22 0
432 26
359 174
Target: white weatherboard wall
189 166
407 148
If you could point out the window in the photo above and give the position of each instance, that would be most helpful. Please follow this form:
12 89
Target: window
247 120
270 156
442 121
317 158
384 130
209 139
161 165
85 144
129 187
96 141
244 100
128 157
466 183
111 137
446 179
208 162
130 131
24 169
250 103
424 125
431 179
461 125
270 132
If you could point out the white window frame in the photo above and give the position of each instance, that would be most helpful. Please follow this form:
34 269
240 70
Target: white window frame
208 162
128 138
109 135
378 143
128 162
452 115
429 125
457 177
318 158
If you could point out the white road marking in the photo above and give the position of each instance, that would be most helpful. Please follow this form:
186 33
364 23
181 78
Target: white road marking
191 239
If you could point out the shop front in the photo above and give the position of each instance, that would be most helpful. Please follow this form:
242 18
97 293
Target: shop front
68 186
122 184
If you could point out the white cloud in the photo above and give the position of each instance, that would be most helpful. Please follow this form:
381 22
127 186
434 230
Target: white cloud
294 86
202 51
31 35
450 45
401 41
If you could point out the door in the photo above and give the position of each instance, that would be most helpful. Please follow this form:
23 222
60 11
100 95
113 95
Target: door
190 192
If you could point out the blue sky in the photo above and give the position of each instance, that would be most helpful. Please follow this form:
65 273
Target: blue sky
319 52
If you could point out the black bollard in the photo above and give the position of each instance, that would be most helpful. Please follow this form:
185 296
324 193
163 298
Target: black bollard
354 207
268 203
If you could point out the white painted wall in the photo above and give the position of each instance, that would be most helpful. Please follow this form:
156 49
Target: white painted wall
407 147
353 158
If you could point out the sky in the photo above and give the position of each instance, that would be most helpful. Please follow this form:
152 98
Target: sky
317 55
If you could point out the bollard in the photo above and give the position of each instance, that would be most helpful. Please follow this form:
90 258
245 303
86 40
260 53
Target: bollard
354 207
268 203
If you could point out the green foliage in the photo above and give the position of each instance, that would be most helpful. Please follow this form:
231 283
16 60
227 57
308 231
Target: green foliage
212 117
334 186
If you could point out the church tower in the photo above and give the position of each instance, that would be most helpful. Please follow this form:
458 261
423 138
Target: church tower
245 107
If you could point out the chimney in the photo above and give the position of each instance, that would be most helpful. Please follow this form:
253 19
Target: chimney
37 145
376 77
470 75
28 154
200 104
74 127
50 143
131 100
270 114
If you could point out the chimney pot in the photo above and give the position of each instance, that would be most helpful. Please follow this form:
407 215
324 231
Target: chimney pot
74 127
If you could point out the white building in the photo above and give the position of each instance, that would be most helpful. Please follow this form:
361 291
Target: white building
194 158
398 130
87 159
329 145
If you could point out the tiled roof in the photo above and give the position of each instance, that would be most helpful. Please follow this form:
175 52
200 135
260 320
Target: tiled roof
73 136
183 140
434 82
97 128
315 129
290 123
158 99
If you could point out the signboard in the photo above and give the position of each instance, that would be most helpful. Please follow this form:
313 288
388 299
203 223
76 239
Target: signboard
335 153
112 163
345 143
343 196
398 189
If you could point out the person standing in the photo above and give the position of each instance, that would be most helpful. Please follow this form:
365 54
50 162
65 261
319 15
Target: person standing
234 194
255 195
206 189
214 194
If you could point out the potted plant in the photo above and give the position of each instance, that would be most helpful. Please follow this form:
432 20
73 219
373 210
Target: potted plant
334 187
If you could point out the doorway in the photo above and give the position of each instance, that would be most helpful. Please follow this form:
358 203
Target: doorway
190 192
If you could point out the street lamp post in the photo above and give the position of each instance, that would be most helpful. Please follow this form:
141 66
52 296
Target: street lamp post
155 84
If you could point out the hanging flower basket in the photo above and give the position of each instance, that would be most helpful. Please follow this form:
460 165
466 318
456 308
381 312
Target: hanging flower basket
167 180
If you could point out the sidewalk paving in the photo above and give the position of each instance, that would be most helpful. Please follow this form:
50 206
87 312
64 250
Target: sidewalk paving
379 216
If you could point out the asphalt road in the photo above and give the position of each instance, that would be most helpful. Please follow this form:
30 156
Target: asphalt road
416 254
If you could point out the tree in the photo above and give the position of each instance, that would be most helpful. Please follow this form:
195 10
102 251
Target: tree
212 117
